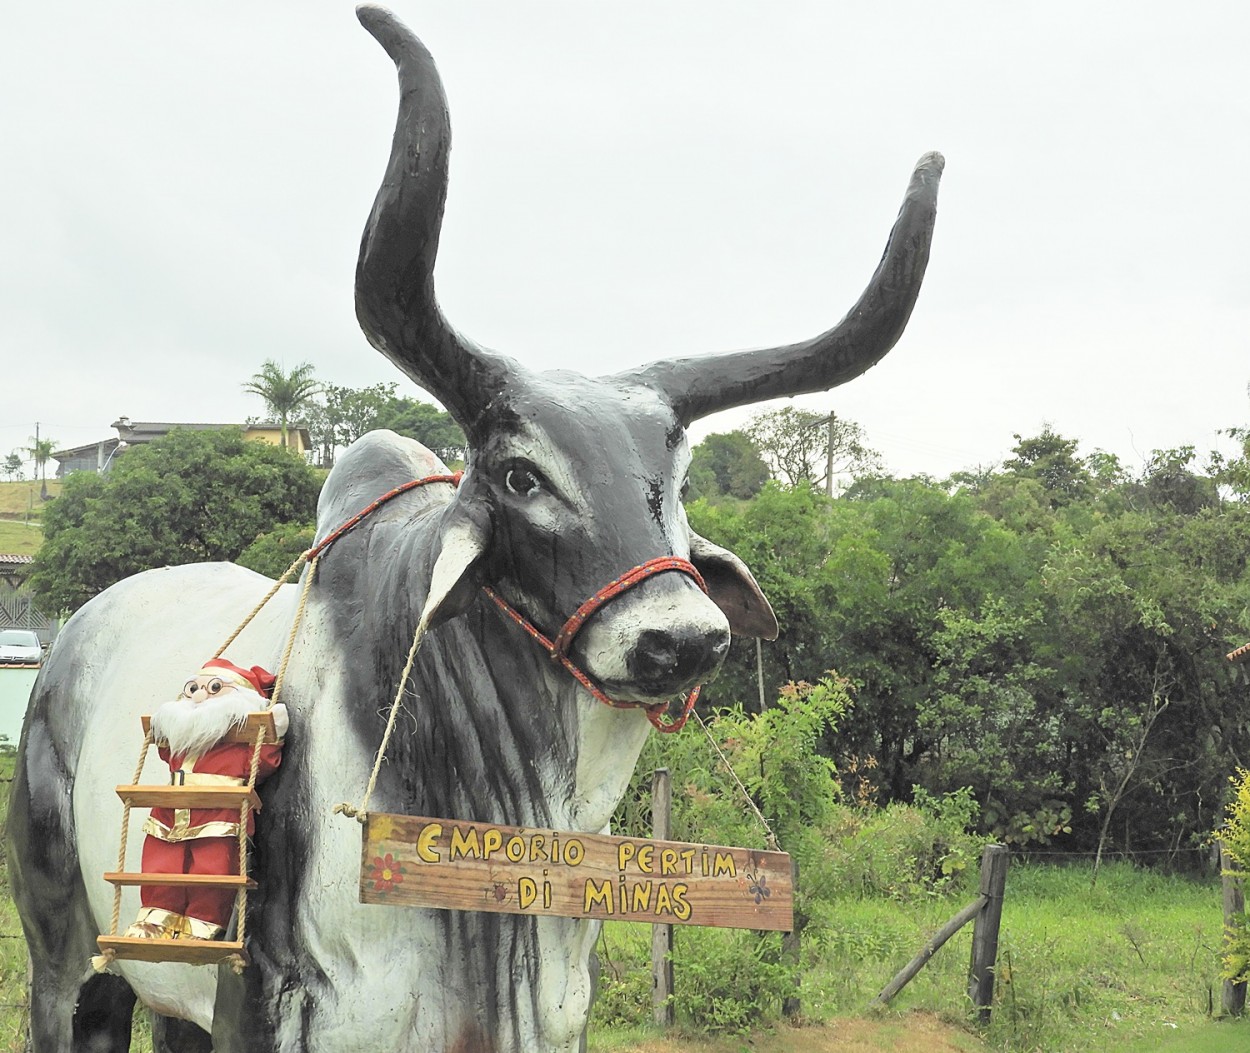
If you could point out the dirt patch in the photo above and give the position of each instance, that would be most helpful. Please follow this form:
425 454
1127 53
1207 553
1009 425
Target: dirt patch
909 1033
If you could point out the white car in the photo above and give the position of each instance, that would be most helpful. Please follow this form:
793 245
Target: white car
19 647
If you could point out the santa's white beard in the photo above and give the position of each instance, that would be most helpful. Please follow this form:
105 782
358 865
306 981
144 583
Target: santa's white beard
191 728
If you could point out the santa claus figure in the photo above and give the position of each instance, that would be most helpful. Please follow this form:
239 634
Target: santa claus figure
188 732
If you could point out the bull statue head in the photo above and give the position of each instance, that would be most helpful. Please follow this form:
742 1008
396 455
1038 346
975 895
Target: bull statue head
550 452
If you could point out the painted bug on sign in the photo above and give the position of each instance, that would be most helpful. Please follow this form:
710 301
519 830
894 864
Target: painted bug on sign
570 481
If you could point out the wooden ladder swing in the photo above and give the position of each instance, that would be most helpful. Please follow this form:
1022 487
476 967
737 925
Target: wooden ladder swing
258 730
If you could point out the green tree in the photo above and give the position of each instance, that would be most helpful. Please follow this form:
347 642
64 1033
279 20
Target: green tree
807 449
432 427
343 415
275 550
284 394
12 467
726 465
192 496
1051 459
40 451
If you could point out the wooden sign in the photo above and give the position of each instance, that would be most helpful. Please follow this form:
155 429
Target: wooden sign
414 861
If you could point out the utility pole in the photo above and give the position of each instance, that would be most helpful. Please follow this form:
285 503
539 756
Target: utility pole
829 457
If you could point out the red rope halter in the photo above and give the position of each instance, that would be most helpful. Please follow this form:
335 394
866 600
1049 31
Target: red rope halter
559 648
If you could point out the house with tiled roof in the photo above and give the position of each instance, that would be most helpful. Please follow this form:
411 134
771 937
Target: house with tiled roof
13 568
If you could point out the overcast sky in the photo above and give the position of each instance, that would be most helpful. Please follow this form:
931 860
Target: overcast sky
184 187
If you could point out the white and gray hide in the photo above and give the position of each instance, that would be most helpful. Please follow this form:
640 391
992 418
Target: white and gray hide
569 482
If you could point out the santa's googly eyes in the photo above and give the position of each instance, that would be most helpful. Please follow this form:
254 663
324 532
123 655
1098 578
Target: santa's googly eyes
189 688
215 686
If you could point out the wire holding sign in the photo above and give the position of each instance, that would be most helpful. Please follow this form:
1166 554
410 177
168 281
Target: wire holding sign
421 862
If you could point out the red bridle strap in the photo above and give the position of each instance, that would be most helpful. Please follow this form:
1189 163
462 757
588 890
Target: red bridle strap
558 649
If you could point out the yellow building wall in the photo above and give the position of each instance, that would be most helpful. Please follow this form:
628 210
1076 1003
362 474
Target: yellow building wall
295 437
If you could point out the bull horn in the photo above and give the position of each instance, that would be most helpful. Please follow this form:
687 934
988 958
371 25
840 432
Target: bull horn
698 386
395 301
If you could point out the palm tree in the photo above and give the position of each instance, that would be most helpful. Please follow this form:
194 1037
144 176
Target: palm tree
40 451
285 394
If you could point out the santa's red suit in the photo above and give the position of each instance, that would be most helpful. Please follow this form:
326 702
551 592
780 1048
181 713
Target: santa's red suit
201 840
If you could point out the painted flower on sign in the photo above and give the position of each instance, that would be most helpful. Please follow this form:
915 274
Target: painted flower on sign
386 872
759 886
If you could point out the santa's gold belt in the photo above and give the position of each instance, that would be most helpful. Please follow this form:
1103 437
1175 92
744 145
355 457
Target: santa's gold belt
196 778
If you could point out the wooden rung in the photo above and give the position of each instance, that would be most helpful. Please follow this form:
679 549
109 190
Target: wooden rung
188 796
185 952
188 880
243 733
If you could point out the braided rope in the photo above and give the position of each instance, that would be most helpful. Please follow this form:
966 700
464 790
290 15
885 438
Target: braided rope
290 640
245 808
121 852
361 814
768 830
286 576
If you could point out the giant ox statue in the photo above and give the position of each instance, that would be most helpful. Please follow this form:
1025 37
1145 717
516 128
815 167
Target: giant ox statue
570 480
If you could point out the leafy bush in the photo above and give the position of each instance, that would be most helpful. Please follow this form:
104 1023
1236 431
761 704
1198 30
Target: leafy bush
623 994
1236 838
275 550
731 980
905 851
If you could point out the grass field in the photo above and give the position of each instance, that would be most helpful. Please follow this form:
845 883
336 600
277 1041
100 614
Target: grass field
20 512
18 538
19 499
1130 967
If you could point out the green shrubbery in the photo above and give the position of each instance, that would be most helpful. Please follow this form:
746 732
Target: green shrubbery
1236 837
846 850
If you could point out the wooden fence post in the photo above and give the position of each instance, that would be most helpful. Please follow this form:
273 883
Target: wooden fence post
791 946
661 935
1234 998
985 930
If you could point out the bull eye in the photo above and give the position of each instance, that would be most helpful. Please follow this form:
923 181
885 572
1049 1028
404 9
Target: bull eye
215 686
523 481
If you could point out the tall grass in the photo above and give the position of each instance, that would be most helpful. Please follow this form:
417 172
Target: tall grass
1133 960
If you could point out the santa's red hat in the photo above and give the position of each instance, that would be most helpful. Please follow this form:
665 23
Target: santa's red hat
255 679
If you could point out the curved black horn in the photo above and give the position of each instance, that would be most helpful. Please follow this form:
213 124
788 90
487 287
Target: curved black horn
395 300
699 386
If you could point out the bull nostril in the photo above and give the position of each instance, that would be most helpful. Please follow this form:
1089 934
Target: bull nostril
665 660
656 654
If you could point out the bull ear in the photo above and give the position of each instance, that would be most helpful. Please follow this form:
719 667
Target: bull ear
733 589
454 582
